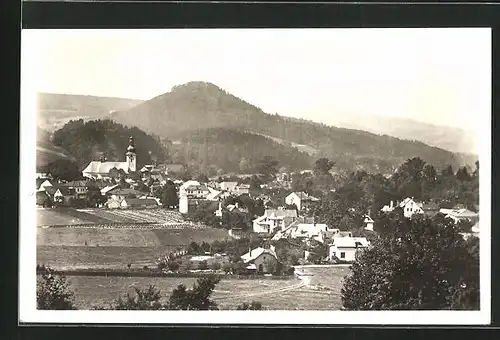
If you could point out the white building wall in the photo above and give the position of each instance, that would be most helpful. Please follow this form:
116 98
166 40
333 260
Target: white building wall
183 205
349 253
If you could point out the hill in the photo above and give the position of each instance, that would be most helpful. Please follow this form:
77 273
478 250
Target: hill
235 151
197 105
91 140
55 110
448 138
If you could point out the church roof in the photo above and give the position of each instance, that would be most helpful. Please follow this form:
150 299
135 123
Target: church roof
97 167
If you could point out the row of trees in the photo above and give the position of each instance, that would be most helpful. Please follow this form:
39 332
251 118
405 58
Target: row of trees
54 293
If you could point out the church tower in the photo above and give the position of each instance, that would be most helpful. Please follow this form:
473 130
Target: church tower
131 155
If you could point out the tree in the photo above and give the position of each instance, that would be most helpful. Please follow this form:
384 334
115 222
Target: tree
196 298
244 164
202 178
463 174
323 165
142 299
53 292
254 305
268 166
63 169
168 196
422 264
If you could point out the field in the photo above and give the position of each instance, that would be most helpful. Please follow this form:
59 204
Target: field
76 247
320 292
68 216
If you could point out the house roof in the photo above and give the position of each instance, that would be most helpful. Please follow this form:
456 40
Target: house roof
304 197
429 206
368 219
124 192
108 188
464 213
81 183
244 186
350 242
280 213
169 167
51 190
97 167
140 201
65 191
254 253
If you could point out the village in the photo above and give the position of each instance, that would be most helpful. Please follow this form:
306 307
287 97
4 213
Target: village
154 196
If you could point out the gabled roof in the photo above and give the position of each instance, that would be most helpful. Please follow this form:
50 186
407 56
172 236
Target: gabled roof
65 191
304 197
429 206
51 190
97 167
108 188
81 183
368 219
462 213
254 253
124 192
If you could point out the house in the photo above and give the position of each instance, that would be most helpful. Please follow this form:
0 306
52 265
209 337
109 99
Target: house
368 223
81 188
307 231
44 183
272 219
193 189
117 195
168 169
64 195
260 260
228 186
430 208
345 248
145 203
186 203
106 189
301 200
102 169
409 206
242 189
458 215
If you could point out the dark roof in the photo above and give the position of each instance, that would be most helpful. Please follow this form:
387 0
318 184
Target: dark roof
65 191
126 191
51 190
140 202
305 197
430 206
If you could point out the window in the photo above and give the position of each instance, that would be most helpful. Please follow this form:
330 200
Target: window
342 255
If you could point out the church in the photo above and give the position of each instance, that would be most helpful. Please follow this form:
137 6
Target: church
101 170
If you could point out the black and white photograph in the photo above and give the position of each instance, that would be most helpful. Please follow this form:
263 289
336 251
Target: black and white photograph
229 176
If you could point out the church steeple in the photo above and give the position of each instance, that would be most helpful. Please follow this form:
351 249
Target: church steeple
131 155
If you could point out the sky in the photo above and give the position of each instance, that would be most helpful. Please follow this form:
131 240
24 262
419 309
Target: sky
440 76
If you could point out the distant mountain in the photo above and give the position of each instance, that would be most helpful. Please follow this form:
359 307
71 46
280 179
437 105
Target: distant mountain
92 140
198 105
448 138
55 110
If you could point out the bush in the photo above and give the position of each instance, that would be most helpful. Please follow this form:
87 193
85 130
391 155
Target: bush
173 266
203 265
143 299
216 266
227 267
255 305
53 292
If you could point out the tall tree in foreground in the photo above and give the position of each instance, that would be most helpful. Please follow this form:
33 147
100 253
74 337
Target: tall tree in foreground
423 264
53 292
196 298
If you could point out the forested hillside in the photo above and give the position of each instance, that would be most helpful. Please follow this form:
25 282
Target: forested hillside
92 140
235 151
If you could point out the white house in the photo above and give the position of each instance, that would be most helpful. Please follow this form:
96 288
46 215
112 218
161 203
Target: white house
458 215
409 206
308 231
138 203
272 219
228 186
44 184
261 260
368 223
345 248
300 199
